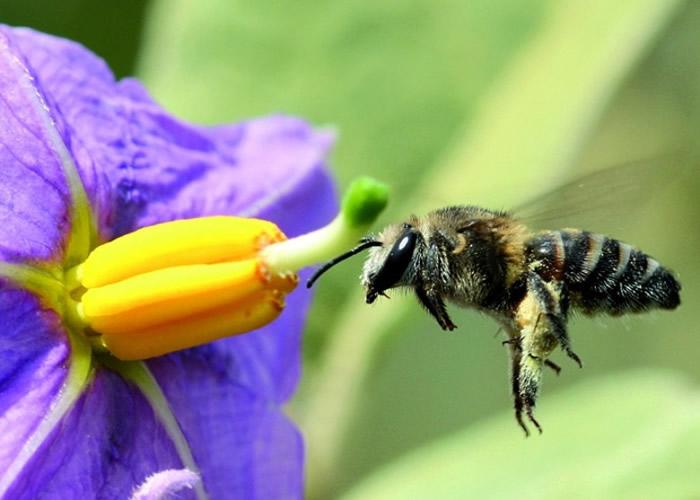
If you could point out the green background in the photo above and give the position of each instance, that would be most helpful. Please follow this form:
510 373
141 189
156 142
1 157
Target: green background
462 102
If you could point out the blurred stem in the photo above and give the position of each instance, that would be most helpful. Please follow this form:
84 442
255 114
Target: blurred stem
529 131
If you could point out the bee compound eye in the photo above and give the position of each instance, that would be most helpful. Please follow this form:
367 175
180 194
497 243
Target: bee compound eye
396 262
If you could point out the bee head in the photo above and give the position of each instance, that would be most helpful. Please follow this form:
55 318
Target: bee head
386 265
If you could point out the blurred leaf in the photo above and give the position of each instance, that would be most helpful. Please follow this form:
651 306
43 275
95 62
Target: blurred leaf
396 77
631 436
538 117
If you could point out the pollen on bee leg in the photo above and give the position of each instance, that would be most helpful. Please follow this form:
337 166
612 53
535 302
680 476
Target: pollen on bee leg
461 244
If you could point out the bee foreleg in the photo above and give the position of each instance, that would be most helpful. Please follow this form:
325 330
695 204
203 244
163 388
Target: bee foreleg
433 302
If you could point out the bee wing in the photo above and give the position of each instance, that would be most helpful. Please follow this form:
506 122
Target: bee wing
602 200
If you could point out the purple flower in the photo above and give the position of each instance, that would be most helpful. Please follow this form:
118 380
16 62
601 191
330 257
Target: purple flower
84 159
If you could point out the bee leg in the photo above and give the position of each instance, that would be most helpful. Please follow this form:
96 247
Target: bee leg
549 364
553 366
434 304
529 384
557 325
515 341
515 355
532 322
524 385
550 297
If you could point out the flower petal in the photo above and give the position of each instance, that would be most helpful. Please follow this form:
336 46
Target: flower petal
34 195
152 167
33 353
245 447
108 444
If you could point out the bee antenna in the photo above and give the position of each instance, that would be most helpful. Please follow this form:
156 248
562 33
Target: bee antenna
364 245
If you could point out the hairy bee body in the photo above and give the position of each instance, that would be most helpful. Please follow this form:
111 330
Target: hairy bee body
528 281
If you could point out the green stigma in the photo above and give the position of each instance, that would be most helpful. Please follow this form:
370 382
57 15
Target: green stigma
364 200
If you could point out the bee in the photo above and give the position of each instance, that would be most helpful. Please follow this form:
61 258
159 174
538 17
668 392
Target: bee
529 281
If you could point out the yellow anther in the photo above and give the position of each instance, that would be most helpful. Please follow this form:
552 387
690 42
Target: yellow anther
148 299
204 240
224 321
180 284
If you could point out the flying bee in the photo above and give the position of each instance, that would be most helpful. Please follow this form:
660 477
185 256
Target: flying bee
528 280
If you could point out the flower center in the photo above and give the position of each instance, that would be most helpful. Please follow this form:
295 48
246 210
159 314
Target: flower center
177 285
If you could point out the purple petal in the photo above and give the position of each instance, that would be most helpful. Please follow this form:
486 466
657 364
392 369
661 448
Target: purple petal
78 86
164 484
245 447
31 371
34 199
141 166
108 444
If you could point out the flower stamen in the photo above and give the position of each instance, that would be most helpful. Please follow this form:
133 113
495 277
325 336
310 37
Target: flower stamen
184 283
176 285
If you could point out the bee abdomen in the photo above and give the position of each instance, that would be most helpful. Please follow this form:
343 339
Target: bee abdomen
603 274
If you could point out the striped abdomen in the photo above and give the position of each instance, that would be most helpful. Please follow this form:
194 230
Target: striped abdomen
603 274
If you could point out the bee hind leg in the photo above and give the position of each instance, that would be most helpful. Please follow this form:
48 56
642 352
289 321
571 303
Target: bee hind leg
548 363
515 382
530 381
539 325
558 328
551 298
524 391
